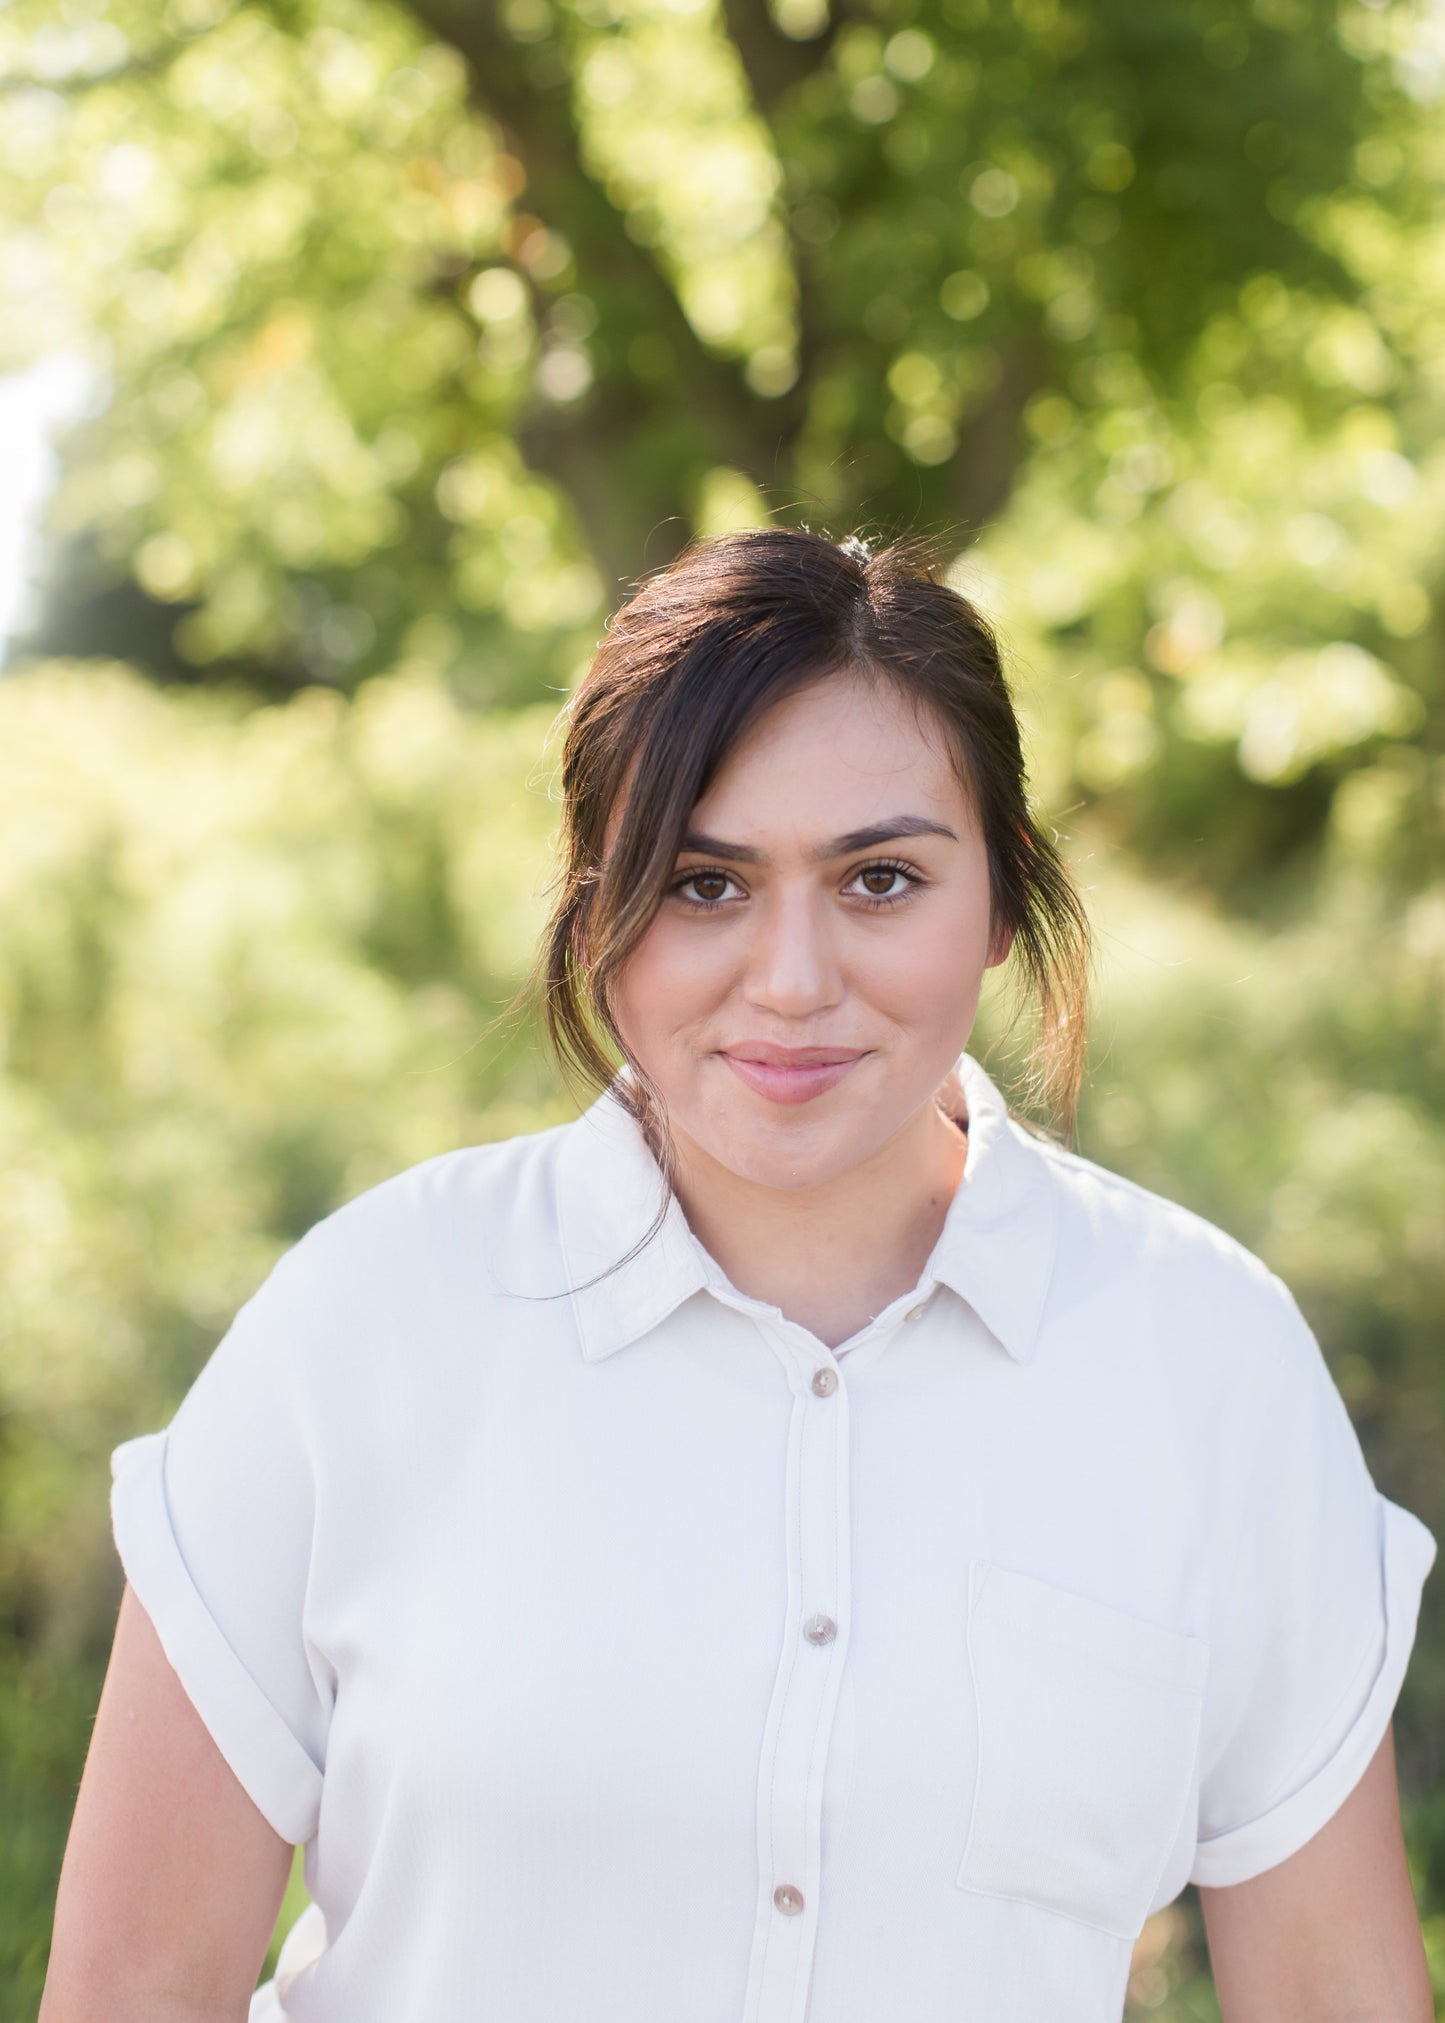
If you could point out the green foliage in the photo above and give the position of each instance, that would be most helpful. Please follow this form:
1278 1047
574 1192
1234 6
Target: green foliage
253 962
249 960
422 325
416 328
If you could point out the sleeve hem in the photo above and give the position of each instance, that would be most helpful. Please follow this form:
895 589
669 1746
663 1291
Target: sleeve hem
1246 1851
277 1774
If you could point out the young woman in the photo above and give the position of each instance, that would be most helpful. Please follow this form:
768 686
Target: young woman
793 1545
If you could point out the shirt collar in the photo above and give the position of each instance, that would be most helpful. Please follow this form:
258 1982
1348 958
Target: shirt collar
995 1250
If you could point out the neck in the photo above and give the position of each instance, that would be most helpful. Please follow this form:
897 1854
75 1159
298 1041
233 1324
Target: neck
832 1256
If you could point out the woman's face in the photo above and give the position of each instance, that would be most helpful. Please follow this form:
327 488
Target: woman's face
814 970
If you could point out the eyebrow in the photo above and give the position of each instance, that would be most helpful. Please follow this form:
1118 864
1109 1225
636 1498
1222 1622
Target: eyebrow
840 846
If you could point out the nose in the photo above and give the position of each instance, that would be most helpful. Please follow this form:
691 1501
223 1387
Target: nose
792 967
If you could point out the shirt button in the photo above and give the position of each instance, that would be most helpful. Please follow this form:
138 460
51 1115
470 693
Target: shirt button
916 1313
825 1381
820 1629
788 1900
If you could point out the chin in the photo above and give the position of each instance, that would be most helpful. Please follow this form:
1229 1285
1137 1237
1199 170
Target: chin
781 1159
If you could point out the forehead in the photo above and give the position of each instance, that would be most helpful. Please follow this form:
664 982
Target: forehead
847 743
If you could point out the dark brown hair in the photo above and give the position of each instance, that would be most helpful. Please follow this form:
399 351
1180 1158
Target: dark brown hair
687 665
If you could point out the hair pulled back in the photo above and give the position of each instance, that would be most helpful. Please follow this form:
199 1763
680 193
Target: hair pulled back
686 667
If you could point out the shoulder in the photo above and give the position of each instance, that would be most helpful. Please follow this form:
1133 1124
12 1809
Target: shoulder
389 1262
421 1200
1122 1213
1152 1264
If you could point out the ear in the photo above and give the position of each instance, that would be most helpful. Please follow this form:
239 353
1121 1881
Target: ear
999 948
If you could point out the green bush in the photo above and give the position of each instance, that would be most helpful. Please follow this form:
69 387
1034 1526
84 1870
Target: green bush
252 962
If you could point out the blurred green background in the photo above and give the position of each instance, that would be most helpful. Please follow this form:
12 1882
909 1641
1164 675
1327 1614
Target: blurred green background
399 337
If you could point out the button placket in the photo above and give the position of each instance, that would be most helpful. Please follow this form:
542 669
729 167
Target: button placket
804 1699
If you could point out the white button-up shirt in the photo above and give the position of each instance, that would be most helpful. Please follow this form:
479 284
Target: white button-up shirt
633 1656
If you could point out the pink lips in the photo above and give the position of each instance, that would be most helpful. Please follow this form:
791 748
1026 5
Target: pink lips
791 1074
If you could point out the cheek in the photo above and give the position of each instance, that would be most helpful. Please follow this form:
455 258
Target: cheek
926 968
671 978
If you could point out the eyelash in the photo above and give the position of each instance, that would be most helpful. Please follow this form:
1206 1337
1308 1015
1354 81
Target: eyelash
874 901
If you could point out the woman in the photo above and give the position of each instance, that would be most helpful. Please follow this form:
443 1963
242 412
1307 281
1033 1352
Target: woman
792 1543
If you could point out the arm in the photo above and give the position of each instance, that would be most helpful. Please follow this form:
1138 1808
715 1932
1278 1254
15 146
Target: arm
172 1879
1331 1934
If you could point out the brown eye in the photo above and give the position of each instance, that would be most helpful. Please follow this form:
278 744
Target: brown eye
703 888
884 875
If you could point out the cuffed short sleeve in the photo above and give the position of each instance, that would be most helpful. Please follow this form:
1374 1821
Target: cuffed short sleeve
214 1520
1314 1623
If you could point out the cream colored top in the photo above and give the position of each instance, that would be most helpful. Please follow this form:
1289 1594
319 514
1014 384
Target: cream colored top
633 1656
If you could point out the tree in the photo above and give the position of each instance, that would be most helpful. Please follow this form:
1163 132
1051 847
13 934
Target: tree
467 313
418 329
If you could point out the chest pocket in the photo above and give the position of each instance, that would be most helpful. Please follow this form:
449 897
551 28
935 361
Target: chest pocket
1088 1733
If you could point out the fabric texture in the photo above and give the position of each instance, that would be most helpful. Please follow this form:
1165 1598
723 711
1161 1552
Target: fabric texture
616 1649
